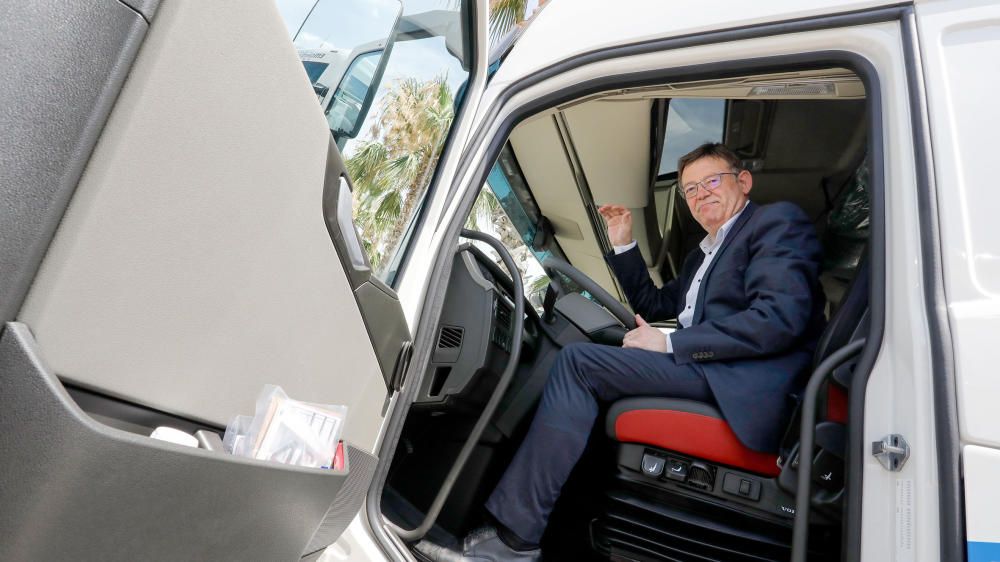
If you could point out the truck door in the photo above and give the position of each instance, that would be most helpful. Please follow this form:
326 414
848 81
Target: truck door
176 232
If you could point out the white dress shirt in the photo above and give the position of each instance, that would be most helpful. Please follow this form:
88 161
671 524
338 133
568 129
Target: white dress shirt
710 248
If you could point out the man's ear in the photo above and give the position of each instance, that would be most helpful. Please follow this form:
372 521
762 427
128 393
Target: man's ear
746 181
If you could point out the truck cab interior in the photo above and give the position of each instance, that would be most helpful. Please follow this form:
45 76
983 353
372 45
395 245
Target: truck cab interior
662 479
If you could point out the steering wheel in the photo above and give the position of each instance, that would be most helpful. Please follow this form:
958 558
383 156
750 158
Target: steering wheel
617 309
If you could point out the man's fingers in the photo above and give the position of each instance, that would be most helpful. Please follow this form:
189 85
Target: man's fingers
639 321
627 340
609 211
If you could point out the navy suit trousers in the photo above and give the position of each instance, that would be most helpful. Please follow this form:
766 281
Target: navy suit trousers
583 374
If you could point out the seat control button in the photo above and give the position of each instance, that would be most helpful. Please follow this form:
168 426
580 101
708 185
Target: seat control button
828 471
652 465
677 470
737 485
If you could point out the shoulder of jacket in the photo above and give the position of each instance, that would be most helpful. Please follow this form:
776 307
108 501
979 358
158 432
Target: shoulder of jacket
780 211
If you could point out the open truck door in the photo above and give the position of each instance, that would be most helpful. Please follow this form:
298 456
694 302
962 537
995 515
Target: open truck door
177 232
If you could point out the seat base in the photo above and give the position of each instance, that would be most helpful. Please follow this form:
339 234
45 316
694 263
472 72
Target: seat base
735 490
687 427
640 524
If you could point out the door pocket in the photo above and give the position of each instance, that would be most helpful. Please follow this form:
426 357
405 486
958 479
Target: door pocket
87 488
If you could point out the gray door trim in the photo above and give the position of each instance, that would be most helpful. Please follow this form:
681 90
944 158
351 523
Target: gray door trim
378 304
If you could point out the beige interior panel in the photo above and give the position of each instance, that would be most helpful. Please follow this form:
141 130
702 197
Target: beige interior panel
639 233
612 140
541 156
193 265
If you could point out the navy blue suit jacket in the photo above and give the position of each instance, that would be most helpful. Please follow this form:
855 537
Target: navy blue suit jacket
758 315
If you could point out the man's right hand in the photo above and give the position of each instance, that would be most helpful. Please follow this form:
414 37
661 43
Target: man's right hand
619 221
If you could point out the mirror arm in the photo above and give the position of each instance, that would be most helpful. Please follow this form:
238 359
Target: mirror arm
552 293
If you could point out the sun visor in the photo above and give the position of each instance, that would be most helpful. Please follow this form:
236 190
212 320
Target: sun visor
612 141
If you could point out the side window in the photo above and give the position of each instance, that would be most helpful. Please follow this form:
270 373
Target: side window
690 122
390 98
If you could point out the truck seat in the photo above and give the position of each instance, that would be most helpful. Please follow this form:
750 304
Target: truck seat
688 427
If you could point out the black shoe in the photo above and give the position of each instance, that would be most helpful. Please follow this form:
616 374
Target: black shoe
481 545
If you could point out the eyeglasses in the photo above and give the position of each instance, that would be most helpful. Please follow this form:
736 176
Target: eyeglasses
710 183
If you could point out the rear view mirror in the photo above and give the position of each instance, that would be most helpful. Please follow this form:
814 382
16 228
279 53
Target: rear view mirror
353 98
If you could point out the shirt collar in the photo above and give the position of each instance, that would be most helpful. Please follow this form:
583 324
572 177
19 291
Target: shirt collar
707 243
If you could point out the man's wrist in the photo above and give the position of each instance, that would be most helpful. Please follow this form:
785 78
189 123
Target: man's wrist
670 345
622 248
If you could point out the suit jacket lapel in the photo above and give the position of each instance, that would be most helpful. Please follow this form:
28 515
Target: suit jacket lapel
699 307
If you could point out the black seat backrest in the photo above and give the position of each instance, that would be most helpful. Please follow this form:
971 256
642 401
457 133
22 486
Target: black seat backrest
848 322
846 318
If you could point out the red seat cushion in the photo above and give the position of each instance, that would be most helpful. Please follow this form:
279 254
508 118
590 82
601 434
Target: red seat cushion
687 427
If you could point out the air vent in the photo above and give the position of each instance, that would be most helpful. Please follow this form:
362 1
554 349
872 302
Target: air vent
450 337
501 327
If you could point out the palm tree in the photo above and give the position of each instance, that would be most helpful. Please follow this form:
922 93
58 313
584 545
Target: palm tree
504 15
507 14
392 170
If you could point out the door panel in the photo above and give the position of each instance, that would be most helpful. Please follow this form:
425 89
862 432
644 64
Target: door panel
208 249
194 265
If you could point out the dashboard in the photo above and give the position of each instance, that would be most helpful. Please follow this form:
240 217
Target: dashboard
473 340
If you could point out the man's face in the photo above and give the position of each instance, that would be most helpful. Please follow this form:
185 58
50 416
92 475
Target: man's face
712 208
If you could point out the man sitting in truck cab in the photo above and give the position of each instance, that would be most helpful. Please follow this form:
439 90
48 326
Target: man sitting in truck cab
749 310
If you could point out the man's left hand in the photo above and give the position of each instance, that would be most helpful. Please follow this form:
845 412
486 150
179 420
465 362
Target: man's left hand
645 337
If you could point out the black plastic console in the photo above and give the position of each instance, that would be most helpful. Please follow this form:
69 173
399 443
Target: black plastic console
666 506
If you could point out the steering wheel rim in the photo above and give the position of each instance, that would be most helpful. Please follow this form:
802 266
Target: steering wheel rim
553 264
